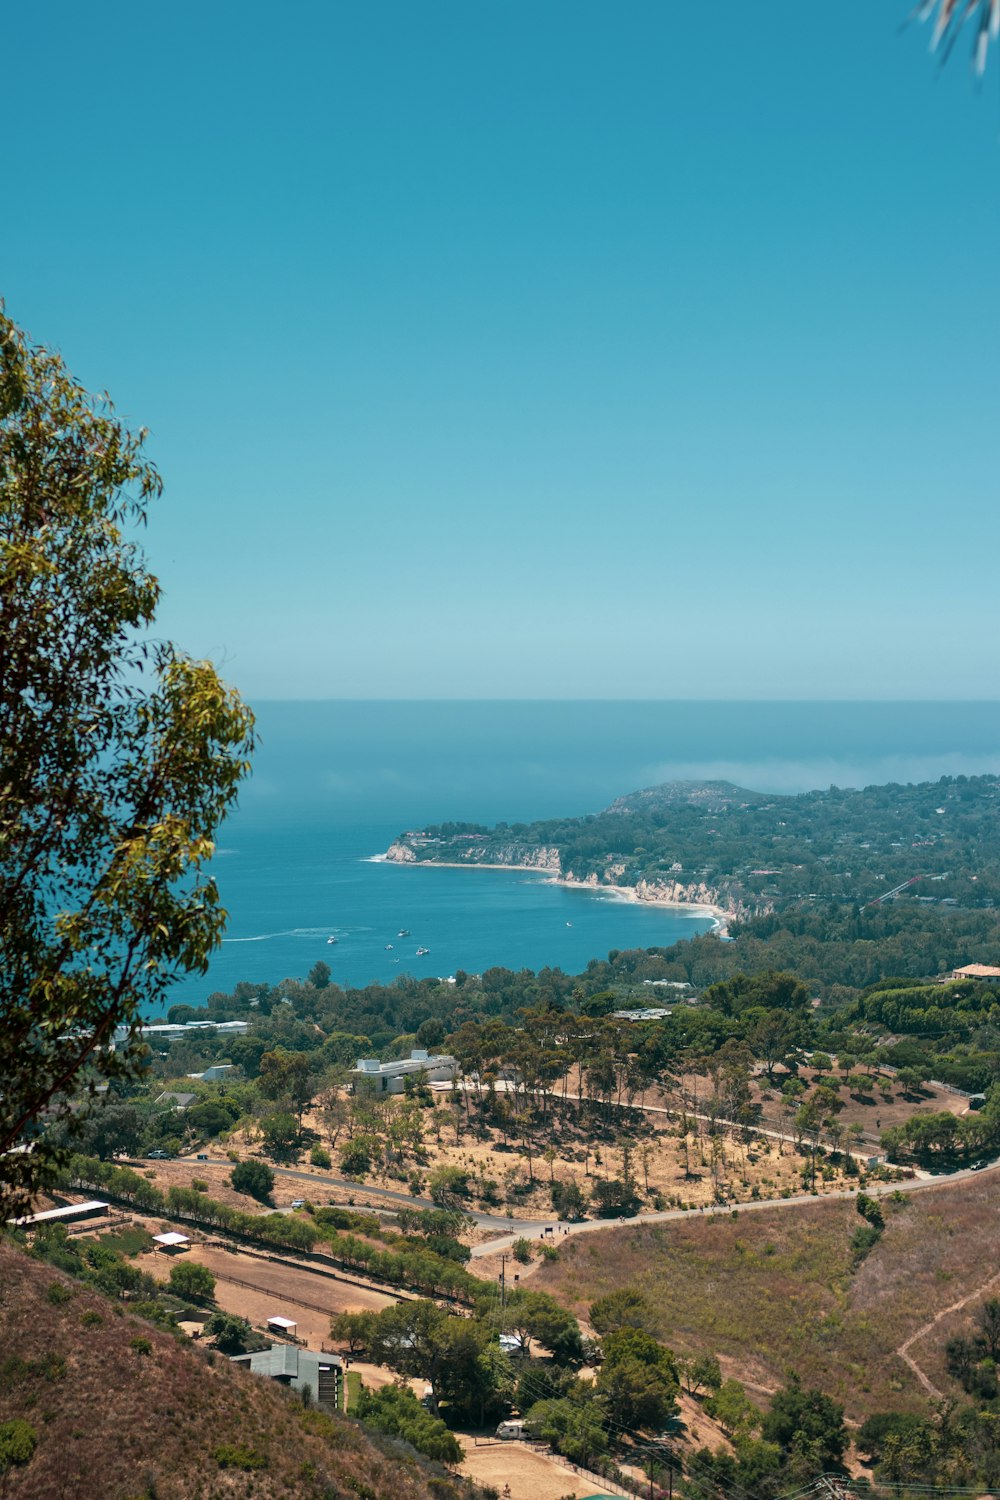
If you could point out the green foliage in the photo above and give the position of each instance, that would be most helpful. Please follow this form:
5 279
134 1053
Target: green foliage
637 1380
624 1308
521 1250
18 1440
232 1334
573 1428
732 1408
396 1411
192 1282
808 1424
238 1456
121 756
356 1158
281 1134
320 1157
567 1199
255 1178
141 1345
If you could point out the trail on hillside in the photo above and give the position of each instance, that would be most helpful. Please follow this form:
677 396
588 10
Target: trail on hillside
904 1349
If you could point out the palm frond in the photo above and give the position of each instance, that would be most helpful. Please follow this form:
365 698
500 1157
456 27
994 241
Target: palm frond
950 17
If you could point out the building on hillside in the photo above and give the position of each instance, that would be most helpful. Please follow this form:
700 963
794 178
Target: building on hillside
984 973
299 1369
390 1077
174 1099
70 1213
215 1072
166 1031
647 1013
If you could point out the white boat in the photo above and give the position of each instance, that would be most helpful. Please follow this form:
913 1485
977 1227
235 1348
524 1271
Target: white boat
422 951
333 940
404 932
388 947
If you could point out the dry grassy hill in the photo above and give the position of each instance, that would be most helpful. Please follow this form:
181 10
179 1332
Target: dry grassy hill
781 1290
153 1421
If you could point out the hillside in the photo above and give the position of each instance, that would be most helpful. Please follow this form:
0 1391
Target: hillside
754 852
127 1421
779 1289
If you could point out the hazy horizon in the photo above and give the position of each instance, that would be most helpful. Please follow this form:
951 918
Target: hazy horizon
534 351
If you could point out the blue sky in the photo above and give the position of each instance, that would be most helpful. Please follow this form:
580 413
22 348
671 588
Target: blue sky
533 350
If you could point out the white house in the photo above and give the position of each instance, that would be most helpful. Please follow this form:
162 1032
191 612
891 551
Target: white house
390 1077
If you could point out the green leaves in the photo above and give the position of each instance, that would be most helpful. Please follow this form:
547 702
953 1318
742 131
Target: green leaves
119 757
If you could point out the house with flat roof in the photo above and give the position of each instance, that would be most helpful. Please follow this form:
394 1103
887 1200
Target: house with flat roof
390 1077
298 1369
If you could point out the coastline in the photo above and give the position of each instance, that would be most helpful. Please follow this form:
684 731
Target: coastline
720 916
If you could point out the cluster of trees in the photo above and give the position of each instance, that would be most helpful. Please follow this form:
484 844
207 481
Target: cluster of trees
955 1446
941 1136
974 1361
107 1267
839 845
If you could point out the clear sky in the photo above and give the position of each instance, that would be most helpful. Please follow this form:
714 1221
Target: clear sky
548 349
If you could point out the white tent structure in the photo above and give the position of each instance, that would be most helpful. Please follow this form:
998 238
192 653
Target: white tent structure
171 1241
282 1325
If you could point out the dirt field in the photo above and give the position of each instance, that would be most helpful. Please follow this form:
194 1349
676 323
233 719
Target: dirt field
531 1475
282 1286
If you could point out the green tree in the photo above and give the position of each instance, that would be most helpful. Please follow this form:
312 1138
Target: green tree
191 1281
232 1334
120 758
18 1440
625 1308
281 1133
254 1178
395 1410
807 1422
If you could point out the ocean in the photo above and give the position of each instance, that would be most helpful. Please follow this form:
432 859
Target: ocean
334 783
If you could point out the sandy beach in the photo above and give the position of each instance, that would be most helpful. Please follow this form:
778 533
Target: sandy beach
629 893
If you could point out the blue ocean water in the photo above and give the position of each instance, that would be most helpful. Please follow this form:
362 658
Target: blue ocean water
334 783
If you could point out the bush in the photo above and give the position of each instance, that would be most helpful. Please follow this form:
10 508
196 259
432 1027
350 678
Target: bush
236 1456
254 1178
17 1443
320 1157
199 1185
192 1282
231 1333
141 1346
521 1250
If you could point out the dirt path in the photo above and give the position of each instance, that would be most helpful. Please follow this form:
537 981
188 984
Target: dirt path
904 1349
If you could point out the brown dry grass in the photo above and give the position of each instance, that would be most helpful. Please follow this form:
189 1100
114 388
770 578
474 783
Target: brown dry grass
121 1424
777 1290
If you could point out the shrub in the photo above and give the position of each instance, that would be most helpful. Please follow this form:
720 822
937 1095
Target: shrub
320 1157
17 1443
237 1456
254 1178
57 1294
521 1250
141 1346
199 1184
192 1282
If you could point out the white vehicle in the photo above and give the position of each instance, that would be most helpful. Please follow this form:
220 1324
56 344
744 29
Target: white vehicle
513 1427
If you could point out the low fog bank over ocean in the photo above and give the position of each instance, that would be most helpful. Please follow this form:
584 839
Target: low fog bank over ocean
334 782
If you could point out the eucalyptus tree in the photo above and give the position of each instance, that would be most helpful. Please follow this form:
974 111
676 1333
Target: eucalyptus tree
119 757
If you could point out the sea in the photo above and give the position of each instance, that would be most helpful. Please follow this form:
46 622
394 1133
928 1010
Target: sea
335 782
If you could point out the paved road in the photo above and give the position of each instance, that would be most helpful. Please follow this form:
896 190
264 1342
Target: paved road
405 1200
534 1229
588 1226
